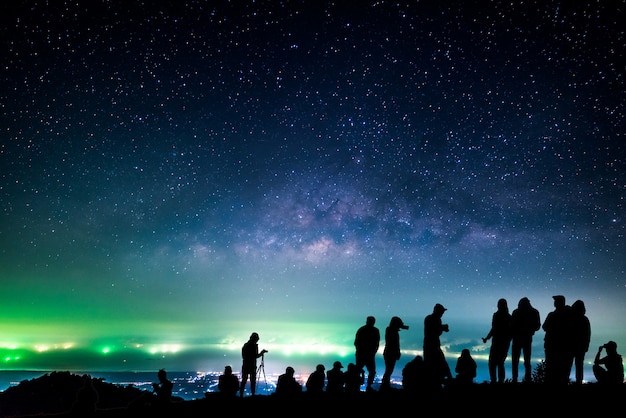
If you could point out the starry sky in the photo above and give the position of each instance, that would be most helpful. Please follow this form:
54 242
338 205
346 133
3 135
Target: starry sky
176 176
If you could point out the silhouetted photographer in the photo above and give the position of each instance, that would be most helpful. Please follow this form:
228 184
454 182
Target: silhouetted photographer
610 368
249 354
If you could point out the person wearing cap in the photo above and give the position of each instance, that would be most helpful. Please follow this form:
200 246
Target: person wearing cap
391 353
557 342
610 368
435 361
366 342
335 379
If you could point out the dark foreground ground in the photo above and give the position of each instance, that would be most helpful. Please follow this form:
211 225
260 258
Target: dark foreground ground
54 395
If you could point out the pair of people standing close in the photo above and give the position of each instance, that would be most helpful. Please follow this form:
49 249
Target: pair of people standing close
518 327
367 341
567 336
513 330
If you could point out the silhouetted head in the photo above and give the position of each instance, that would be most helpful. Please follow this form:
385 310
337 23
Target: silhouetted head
503 305
162 375
337 365
254 337
611 346
228 370
579 307
396 322
523 303
439 308
320 368
370 320
290 371
559 301
465 352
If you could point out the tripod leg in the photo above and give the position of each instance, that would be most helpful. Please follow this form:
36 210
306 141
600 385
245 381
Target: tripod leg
261 370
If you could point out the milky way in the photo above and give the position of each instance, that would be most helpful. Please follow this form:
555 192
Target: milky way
175 177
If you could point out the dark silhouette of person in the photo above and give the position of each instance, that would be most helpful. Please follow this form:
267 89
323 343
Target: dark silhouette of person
414 375
86 403
354 377
500 335
391 352
366 342
335 379
557 342
437 367
581 337
317 380
287 385
160 397
465 368
163 388
250 353
608 370
228 383
525 321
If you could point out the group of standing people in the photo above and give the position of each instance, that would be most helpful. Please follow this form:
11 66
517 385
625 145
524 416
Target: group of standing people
566 341
366 343
567 337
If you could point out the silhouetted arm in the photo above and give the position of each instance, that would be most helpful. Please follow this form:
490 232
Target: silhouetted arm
597 360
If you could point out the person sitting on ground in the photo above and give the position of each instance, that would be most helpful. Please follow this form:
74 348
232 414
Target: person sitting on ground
465 368
228 383
316 381
610 368
161 395
287 385
414 375
335 379
163 389
354 379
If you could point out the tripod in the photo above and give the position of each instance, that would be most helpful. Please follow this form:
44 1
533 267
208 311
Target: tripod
261 369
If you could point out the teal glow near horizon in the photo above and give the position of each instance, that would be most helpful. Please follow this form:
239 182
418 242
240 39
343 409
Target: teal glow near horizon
175 177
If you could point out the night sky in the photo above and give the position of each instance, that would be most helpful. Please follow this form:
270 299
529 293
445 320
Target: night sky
175 177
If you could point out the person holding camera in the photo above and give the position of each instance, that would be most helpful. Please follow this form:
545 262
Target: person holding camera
610 368
163 389
249 353
435 361
391 352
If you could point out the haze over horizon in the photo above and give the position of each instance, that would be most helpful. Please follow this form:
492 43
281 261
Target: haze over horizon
176 176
